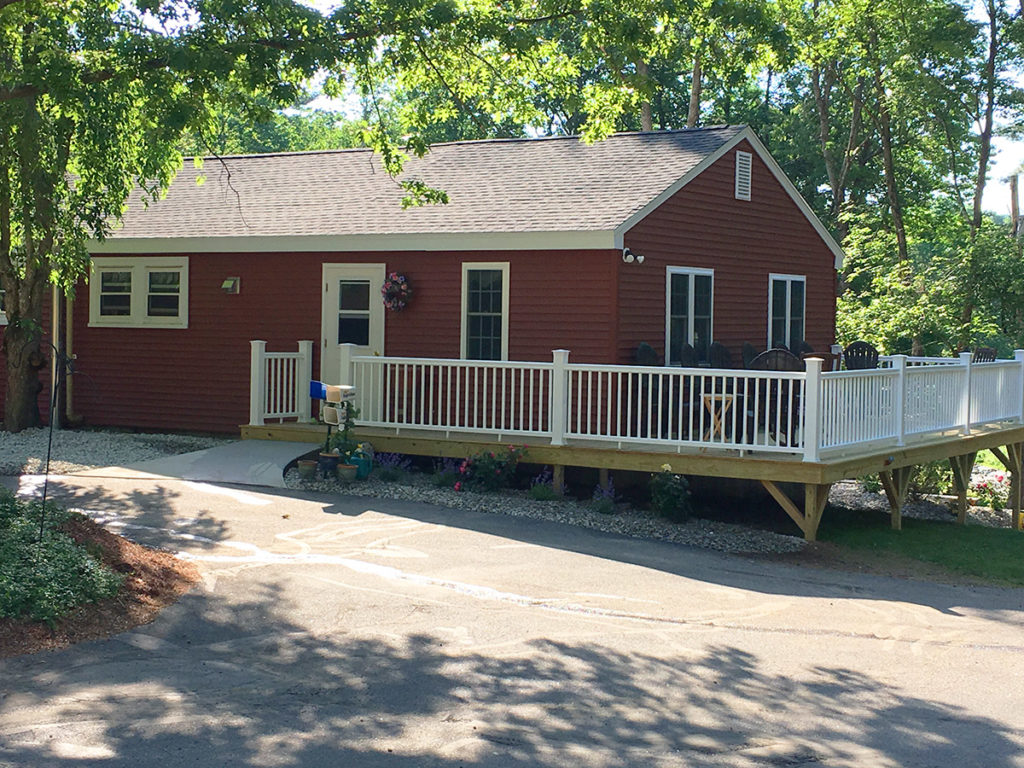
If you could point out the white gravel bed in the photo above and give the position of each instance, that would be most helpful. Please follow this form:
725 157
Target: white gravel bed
850 494
77 450
626 521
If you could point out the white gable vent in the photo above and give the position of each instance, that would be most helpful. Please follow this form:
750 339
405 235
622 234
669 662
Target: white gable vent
742 175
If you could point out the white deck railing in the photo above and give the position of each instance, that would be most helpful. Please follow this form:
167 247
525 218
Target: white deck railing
279 383
810 413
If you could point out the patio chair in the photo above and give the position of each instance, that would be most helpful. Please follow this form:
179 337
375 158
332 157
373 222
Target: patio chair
983 355
749 353
805 348
860 356
719 355
777 401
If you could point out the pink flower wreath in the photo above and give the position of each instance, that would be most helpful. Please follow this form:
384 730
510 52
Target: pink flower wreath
396 292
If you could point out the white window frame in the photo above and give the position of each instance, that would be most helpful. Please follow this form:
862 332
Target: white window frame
790 279
467 267
139 268
744 175
691 272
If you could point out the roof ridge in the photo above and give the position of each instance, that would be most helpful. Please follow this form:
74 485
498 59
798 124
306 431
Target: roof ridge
460 142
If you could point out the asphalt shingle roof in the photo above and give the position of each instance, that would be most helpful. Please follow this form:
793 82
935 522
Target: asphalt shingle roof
516 185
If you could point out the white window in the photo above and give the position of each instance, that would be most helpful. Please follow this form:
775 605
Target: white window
485 311
786 306
743 170
139 293
689 298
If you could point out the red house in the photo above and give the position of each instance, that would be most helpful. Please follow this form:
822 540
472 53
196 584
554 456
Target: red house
668 238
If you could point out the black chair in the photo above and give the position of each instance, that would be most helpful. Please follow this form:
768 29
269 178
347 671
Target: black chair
860 356
645 354
687 356
777 400
719 355
983 355
749 353
805 348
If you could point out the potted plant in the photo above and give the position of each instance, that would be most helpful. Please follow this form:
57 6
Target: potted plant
343 446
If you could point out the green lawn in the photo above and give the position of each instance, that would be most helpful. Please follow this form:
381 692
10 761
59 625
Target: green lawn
992 554
988 459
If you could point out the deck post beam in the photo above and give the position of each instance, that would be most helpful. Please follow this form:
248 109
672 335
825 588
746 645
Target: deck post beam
1012 459
815 497
257 382
559 395
962 467
895 483
558 478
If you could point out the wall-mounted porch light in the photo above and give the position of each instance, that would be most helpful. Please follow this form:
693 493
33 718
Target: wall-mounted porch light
231 285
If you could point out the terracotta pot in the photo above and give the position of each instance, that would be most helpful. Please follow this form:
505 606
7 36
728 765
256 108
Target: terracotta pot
347 472
307 468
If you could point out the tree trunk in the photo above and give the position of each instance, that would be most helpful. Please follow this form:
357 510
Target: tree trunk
646 118
693 116
889 166
24 361
985 137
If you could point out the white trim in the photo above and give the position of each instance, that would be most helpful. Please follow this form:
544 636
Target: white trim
456 241
692 271
505 291
790 279
139 268
744 175
762 152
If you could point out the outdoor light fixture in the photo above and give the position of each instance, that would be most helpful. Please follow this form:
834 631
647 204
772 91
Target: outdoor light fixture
629 257
231 285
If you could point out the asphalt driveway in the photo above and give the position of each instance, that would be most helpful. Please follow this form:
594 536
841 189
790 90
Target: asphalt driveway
354 632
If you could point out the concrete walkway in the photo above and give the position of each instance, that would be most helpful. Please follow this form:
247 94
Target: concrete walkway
246 462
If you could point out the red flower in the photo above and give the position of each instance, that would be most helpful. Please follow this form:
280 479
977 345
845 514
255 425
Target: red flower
458 486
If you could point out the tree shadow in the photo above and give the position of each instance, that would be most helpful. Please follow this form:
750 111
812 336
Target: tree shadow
230 680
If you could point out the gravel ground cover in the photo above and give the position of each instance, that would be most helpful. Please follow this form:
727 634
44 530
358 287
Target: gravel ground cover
77 450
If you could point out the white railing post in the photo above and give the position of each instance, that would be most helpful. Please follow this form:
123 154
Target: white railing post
345 373
812 408
558 413
257 382
965 360
303 374
1018 355
899 364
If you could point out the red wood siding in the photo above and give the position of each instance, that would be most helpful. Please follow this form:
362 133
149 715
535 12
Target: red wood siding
197 378
703 225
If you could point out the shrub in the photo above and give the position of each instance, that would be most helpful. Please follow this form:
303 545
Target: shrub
670 495
870 484
43 579
931 478
446 472
992 493
391 466
489 470
603 498
542 487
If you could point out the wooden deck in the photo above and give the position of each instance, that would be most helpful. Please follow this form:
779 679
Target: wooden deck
893 465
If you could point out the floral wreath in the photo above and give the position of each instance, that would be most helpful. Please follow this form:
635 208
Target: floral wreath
396 292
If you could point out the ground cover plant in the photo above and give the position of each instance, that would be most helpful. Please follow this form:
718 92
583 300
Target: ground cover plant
490 470
670 495
44 573
991 554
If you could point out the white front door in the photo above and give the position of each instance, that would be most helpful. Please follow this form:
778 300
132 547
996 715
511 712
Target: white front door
352 313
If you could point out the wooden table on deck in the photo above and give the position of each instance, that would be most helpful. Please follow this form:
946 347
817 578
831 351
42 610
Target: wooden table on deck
717 405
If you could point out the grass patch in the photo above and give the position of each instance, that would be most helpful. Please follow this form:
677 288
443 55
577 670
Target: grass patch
988 459
44 579
992 554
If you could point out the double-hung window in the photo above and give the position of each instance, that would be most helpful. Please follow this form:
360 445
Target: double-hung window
689 300
139 293
485 311
786 306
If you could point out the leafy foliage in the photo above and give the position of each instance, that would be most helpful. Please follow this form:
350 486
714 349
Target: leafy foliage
44 578
489 470
670 495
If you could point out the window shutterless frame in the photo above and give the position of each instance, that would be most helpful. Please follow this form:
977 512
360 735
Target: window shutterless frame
791 324
689 311
150 292
472 314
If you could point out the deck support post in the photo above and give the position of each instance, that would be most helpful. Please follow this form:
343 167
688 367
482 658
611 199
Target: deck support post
1012 460
812 409
603 476
896 482
558 478
815 497
257 382
962 467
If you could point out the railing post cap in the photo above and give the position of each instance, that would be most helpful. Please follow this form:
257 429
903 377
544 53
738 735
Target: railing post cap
965 357
1018 354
